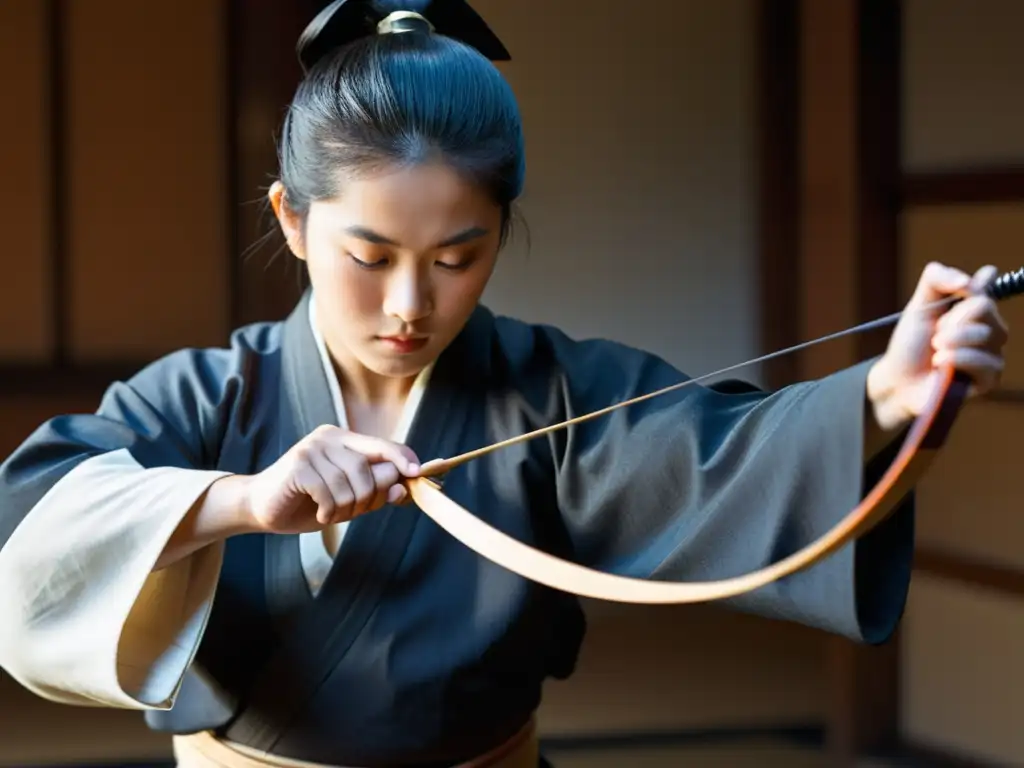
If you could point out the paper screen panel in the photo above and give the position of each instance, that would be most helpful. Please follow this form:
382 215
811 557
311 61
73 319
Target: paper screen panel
969 502
147 109
963 80
968 237
25 196
963 678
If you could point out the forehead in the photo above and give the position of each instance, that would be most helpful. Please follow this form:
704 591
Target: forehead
424 202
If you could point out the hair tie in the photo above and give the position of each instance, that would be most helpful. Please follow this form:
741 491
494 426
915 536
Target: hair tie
404 21
343 22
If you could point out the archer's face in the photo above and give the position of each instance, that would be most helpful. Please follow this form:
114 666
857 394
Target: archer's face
398 262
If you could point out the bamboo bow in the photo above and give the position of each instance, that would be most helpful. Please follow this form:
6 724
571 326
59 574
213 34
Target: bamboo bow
925 438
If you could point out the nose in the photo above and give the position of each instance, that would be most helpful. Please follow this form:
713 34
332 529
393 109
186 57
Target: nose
409 295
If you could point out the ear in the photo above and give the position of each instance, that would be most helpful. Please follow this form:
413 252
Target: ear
291 226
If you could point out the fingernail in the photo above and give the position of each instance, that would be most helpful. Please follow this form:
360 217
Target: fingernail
414 469
395 493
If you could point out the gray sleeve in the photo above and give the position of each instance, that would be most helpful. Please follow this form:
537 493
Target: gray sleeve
699 485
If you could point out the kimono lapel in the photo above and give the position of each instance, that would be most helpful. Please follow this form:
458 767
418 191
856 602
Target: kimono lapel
316 634
305 404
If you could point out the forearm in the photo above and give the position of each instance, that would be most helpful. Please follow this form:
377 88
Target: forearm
220 513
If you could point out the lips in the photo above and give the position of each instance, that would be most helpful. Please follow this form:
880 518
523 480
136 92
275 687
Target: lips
404 344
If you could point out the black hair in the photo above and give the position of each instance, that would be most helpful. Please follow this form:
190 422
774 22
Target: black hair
385 100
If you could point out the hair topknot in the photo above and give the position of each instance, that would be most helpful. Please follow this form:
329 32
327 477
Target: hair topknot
345 21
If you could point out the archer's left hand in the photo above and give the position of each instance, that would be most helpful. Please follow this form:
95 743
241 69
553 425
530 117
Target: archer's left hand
970 336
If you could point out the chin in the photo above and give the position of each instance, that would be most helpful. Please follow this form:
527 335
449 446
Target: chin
398 366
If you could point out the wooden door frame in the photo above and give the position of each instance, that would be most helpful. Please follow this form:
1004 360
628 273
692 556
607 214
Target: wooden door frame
862 699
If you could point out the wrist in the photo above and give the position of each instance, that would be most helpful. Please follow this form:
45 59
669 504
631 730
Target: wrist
223 511
883 398
227 502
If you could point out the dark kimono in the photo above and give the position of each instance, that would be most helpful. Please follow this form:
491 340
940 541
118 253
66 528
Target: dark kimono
408 648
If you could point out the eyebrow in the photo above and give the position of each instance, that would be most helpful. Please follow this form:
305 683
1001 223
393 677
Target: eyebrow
370 236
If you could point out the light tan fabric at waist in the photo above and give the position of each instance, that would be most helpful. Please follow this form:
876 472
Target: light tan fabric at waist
203 750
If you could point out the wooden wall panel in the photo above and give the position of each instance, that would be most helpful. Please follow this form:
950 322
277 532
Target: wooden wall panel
21 415
964 76
147 111
970 503
829 184
963 680
26 333
849 140
970 236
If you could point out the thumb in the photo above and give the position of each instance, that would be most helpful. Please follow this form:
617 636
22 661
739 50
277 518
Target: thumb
938 282
397 494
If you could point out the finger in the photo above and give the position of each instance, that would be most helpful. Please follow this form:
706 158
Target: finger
397 494
386 477
939 281
982 278
983 367
370 482
975 309
357 468
339 483
968 335
313 485
376 449
971 308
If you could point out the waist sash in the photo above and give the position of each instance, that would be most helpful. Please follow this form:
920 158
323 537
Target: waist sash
204 750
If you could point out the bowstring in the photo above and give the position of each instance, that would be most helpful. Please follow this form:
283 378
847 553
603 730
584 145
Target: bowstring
870 325
440 466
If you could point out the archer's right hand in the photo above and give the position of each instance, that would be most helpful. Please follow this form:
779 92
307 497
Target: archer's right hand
328 477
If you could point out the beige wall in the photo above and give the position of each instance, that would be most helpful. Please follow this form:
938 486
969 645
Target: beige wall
963 83
963 675
640 192
641 205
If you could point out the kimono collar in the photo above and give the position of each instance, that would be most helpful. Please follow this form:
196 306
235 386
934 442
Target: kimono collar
337 399
467 361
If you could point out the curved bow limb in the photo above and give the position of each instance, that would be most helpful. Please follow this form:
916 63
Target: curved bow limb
924 439
919 448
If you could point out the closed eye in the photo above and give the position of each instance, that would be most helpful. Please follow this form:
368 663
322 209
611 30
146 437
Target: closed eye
457 267
368 264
